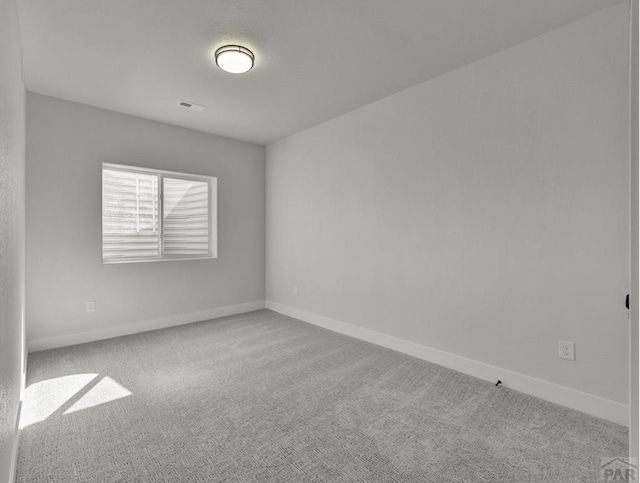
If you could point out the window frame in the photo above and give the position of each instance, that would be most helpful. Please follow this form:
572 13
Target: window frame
212 183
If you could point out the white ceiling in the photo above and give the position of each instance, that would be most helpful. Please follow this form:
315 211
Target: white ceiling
315 59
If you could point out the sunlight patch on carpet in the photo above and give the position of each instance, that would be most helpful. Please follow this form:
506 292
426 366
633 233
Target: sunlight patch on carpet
105 391
68 394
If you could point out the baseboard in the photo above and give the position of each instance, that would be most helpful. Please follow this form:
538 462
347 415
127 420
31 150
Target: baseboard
143 326
549 391
14 449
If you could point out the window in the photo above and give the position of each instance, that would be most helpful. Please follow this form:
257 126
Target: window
152 215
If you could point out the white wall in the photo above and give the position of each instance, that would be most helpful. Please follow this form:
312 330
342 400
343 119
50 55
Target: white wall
66 144
12 252
483 213
634 182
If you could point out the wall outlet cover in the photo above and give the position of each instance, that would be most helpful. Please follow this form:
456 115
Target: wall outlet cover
567 350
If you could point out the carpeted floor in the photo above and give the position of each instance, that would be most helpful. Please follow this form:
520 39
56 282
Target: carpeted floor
263 397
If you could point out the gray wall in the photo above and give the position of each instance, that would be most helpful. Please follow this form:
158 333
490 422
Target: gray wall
12 250
634 423
66 144
483 213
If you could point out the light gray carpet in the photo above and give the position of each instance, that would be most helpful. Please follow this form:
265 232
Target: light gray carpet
263 397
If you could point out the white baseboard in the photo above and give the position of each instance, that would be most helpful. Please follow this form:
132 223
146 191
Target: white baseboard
549 391
14 449
143 326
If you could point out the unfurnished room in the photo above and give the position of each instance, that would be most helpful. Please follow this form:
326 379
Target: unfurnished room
318 241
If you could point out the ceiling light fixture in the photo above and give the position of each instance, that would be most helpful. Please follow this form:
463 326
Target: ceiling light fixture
234 59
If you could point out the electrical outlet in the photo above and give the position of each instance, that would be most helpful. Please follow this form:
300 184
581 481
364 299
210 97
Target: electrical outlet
566 350
295 290
91 306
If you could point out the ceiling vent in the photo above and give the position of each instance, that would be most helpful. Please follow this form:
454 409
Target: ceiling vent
191 106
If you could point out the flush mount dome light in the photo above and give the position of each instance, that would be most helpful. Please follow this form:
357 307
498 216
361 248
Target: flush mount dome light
234 59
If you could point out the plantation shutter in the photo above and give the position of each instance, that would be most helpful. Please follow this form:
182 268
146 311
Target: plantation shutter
185 217
130 215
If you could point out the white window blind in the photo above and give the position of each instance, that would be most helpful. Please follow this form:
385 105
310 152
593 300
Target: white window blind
186 217
150 215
